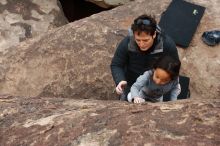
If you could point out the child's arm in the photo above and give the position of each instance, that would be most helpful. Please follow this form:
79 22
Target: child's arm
175 91
140 82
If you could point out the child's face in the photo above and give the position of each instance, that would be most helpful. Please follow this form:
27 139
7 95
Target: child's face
161 77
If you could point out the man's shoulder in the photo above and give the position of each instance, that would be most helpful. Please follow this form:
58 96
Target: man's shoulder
169 45
125 40
165 37
168 42
123 45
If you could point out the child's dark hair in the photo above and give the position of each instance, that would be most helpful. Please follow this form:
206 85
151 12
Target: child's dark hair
169 64
144 23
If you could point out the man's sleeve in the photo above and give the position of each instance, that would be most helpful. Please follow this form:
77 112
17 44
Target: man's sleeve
170 47
119 61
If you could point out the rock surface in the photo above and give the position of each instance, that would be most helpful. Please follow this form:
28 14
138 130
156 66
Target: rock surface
62 121
23 19
73 60
109 3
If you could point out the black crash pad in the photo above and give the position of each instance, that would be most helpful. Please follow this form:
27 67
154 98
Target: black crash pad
180 21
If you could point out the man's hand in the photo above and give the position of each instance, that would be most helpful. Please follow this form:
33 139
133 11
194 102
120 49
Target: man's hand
138 100
120 87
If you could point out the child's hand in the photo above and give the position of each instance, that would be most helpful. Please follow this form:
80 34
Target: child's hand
138 100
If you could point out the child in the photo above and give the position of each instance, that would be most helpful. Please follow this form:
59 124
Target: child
153 84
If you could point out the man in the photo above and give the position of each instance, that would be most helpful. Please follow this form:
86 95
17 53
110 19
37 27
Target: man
137 53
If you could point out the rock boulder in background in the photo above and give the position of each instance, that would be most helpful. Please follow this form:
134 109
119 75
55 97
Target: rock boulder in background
22 19
109 3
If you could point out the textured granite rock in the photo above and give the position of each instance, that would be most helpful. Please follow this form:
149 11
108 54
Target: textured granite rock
109 3
62 121
23 19
73 60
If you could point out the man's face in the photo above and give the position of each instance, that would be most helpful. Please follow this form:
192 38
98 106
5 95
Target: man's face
143 40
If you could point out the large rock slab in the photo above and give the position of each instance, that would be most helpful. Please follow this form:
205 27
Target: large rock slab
62 121
73 60
23 19
109 3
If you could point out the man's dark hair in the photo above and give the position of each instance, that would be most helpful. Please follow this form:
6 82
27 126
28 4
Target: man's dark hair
144 23
169 64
